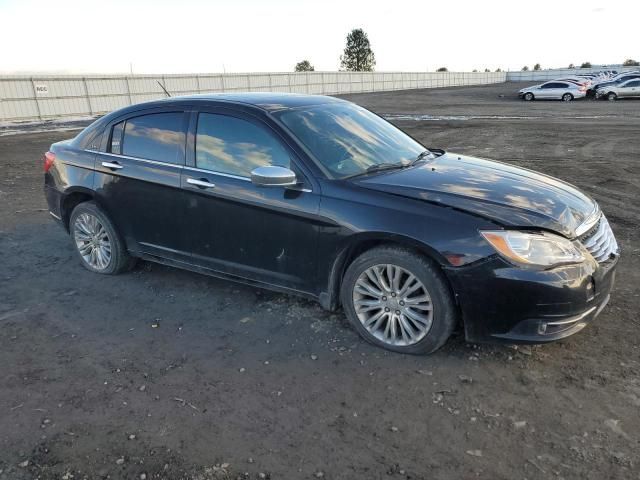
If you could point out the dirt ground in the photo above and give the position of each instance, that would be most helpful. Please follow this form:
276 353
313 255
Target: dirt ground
162 373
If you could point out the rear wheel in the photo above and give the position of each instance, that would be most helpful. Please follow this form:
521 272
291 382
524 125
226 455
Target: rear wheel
567 97
528 96
612 97
398 300
97 243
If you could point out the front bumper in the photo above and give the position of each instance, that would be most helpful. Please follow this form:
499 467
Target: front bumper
507 304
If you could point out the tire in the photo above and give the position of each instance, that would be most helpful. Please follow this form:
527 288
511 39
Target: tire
528 96
89 224
386 317
612 97
567 97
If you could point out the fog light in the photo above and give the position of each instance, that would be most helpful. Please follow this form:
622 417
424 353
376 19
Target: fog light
591 290
542 328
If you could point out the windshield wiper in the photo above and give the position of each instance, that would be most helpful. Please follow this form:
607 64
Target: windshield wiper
379 167
386 166
420 157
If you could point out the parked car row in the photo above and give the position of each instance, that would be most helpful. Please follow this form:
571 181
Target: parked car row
610 85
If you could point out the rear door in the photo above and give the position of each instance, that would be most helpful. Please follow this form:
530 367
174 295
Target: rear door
266 234
138 175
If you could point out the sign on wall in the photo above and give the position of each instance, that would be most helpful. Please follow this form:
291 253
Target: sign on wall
42 90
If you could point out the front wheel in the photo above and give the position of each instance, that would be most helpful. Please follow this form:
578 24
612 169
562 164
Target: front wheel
398 300
96 241
567 97
612 97
528 96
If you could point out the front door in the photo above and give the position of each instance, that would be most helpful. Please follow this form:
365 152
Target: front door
265 234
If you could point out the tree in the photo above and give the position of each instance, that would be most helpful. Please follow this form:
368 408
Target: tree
442 69
571 65
631 63
304 66
525 69
586 65
486 70
537 67
358 56
498 69
474 70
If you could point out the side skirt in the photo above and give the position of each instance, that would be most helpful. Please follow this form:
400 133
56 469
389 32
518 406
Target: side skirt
224 276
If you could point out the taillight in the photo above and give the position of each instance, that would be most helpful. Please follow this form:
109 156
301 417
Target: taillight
48 158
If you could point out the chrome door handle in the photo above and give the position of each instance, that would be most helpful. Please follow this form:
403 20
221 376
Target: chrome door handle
114 166
200 183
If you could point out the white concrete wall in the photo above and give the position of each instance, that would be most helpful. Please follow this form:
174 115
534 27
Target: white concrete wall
47 97
535 75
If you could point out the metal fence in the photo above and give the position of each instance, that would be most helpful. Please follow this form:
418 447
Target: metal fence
48 97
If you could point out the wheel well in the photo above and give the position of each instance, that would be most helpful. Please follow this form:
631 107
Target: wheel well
70 202
349 254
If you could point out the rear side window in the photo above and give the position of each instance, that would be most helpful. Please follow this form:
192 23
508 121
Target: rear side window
157 136
633 84
234 146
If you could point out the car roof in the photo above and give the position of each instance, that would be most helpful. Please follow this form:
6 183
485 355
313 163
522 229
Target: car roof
265 101
268 101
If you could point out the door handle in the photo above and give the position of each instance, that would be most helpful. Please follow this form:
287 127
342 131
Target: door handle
200 183
112 165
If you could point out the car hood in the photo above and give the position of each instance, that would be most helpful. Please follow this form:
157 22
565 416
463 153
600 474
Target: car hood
508 195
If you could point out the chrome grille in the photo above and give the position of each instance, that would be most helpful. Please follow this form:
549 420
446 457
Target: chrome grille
600 241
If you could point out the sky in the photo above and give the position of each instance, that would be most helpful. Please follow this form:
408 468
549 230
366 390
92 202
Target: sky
198 36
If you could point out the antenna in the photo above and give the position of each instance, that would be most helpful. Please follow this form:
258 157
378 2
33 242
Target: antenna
162 87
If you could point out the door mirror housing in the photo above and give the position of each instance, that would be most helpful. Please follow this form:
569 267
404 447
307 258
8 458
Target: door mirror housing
273 176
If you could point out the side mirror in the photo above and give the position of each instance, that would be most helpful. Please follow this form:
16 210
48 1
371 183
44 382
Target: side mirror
273 176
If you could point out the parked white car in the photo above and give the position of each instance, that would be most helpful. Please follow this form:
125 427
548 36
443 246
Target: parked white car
553 90
629 88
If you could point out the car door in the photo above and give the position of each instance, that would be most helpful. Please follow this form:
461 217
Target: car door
137 181
547 90
265 234
559 89
629 89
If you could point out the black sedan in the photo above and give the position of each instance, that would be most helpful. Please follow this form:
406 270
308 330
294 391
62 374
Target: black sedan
319 197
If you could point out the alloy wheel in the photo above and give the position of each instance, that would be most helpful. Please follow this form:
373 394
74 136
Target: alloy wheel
92 241
393 305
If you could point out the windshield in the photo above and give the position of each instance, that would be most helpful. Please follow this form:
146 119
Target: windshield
348 139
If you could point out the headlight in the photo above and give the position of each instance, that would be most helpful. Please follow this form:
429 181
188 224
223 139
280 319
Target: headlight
533 248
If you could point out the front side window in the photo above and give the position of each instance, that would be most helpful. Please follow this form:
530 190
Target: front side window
347 139
157 136
234 146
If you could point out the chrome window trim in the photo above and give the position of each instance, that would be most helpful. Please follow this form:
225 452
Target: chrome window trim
152 162
238 177
221 174
193 169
